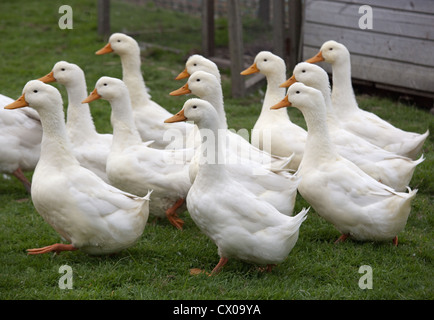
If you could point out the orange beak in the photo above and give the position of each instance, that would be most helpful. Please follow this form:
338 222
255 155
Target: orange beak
181 91
19 103
184 74
288 82
92 97
282 104
316 58
177 117
48 78
106 49
250 70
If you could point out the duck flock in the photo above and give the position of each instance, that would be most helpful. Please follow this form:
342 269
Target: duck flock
98 190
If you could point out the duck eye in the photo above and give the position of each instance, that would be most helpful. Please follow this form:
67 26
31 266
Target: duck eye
331 49
197 80
105 84
119 40
63 69
194 107
265 60
303 70
35 91
195 64
297 92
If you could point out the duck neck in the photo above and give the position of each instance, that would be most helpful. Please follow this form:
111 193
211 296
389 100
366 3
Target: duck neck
55 146
332 120
318 144
133 78
216 99
343 97
213 147
79 123
273 95
125 132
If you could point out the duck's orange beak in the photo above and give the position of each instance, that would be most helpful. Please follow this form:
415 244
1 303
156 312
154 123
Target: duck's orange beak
48 78
250 70
92 97
184 74
316 58
106 49
177 117
282 104
19 103
181 91
288 82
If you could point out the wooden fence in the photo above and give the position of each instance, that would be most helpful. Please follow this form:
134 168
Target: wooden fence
396 54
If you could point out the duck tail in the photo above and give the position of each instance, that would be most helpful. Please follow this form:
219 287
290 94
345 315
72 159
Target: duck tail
420 160
418 144
297 220
148 195
411 194
405 206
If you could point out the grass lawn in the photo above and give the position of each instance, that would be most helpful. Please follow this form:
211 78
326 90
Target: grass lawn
158 266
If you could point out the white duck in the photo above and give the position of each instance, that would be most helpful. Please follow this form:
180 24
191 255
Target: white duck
149 116
135 167
197 62
363 123
275 186
20 141
92 215
274 131
90 147
241 225
207 87
355 203
389 168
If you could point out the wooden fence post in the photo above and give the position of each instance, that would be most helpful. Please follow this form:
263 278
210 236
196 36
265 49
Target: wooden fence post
264 11
236 48
208 45
295 20
279 42
104 17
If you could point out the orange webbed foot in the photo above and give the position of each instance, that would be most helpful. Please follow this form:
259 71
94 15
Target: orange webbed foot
172 216
57 248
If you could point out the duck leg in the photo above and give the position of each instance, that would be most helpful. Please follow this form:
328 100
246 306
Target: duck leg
268 268
219 266
57 248
342 238
395 241
173 216
20 176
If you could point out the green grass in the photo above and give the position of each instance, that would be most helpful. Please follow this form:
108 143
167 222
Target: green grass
158 266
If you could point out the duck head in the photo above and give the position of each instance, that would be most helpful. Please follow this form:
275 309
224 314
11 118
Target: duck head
107 88
201 112
64 73
331 52
37 95
265 63
200 83
197 62
121 44
302 97
309 74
